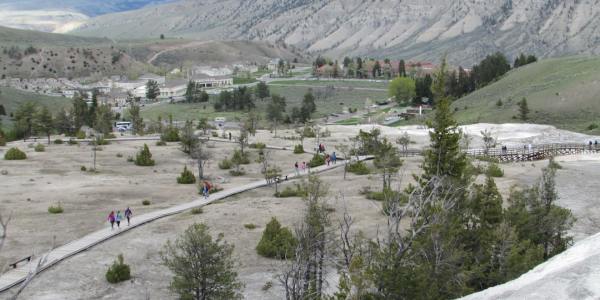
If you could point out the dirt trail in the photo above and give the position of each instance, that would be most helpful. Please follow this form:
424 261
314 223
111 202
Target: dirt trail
177 47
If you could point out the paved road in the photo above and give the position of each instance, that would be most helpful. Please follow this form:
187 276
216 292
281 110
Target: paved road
15 276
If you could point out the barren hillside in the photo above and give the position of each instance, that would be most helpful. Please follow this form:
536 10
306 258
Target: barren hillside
467 29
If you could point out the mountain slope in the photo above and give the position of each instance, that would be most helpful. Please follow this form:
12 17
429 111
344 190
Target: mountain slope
573 274
564 92
467 29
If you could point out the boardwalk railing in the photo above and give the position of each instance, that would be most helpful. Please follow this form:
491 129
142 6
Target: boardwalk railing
534 152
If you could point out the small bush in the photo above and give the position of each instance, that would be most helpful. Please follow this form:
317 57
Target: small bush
187 177
359 168
214 134
73 142
144 157
250 226
297 191
237 173
225 164
494 170
171 134
119 271
276 241
101 141
553 164
258 146
83 168
110 135
15 154
146 202
119 155
39 148
80 135
58 142
161 143
592 126
487 159
197 210
316 161
298 149
55 209
268 285
130 159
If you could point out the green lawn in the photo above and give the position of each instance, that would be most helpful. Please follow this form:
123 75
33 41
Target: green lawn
563 92
335 83
350 121
185 111
12 98
242 80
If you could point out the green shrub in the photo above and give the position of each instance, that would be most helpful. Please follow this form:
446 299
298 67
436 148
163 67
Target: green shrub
146 202
317 160
487 159
553 164
144 157
110 135
130 159
308 132
214 134
161 143
15 154
250 226
379 195
83 168
268 285
73 142
237 173
80 135
225 164
197 210
58 142
119 155
592 126
298 149
187 177
258 146
39 148
55 209
171 134
276 241
359 168
119 271
400 199
297 191
494 170
101 141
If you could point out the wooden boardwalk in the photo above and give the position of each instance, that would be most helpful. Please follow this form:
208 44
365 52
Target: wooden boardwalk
15 276
535 152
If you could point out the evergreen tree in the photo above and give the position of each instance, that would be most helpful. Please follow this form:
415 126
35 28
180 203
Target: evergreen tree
80 111
144 157
2 110
276 110
152 90
24 119
137 121
63 123
190 92
104 119
203 268
91 113
262 90
523 109
402 68
444 157
43 122
308 107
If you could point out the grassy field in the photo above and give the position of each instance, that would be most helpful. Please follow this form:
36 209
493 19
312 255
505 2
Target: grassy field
564 92
334 83
327 103
12 98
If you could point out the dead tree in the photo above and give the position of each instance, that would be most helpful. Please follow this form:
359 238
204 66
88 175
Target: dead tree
201 154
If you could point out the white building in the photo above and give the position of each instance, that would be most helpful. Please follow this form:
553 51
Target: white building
212 81
211 71
173 88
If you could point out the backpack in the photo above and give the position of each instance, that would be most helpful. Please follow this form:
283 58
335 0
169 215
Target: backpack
207 186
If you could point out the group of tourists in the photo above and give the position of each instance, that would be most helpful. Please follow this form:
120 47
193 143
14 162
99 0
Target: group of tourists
118 217
331 158
301 168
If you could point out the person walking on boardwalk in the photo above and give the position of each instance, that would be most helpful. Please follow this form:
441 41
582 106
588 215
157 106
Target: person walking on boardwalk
128 214
333 158
327 159
118 219
111 219
296 169
206 190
